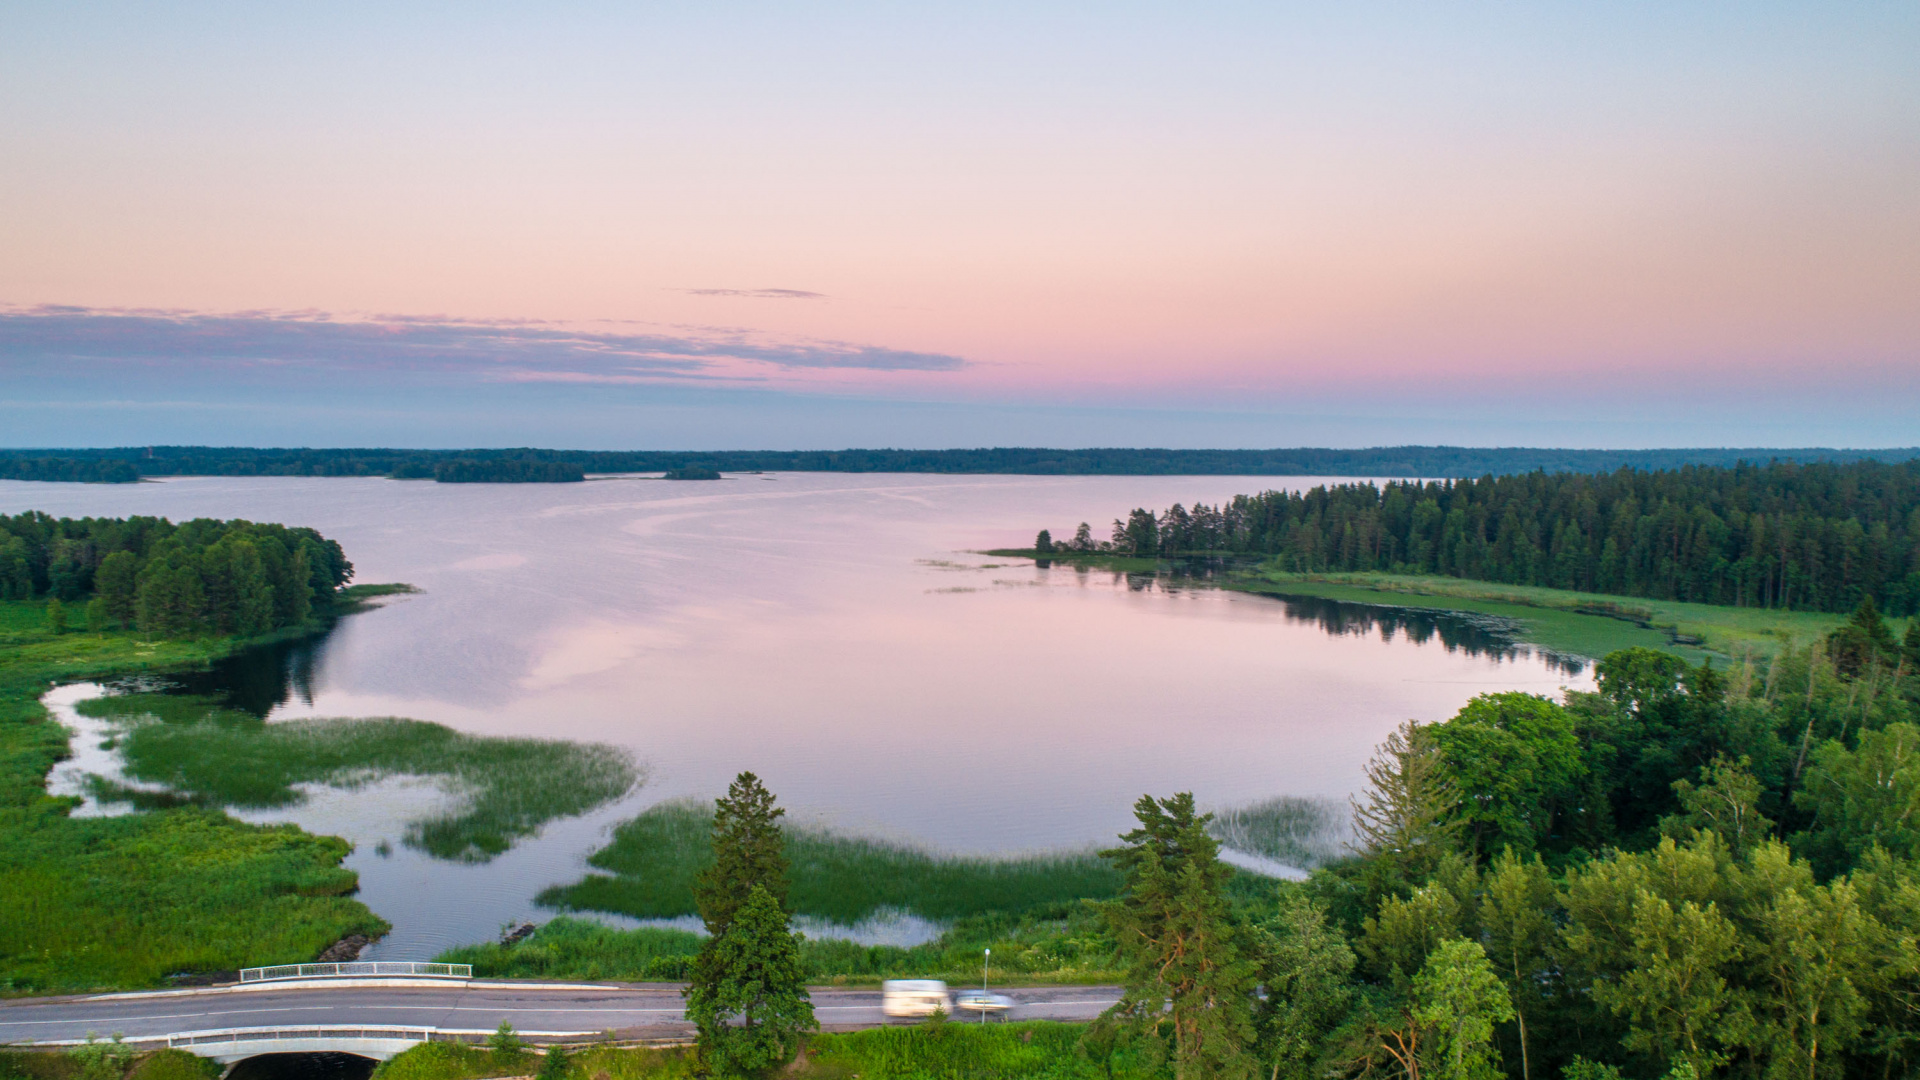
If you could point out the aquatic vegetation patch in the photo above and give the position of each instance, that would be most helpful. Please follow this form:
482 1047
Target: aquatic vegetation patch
505 789
1300 832
654 857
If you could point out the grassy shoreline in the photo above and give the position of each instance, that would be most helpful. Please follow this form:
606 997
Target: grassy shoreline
650 866
1576 623
120 902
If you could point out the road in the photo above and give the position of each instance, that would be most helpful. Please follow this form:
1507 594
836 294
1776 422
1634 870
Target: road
634 1012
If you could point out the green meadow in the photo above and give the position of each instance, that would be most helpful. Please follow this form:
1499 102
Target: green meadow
1582 624
1573 623
654 857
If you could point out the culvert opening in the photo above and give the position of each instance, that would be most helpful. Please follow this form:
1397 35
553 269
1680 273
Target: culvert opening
329 1065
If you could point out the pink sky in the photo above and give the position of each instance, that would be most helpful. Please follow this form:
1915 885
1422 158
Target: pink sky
1211 207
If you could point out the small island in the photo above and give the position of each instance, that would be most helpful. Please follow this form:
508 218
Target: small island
693 472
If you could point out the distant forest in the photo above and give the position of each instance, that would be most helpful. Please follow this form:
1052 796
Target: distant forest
127 464
225 577
497 471
1822 536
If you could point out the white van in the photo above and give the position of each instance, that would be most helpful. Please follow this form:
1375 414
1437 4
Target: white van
914 997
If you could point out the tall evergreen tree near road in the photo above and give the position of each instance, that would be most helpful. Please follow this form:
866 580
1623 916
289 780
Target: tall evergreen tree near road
747 995
748 849
754 1011
1185 973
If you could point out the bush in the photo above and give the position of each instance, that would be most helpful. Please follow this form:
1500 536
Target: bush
171 1064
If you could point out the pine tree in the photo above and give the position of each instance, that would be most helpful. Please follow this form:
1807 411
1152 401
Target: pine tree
1179 943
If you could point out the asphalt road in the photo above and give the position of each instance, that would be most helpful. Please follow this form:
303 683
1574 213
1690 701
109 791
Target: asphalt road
628 1011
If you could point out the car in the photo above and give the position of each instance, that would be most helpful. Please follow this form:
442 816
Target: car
914 997
982 1001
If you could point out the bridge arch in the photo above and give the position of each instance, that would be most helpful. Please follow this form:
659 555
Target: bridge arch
315 1065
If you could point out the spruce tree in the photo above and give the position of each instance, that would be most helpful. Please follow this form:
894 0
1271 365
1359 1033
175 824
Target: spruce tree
747 995
1184 971
749 999
748 849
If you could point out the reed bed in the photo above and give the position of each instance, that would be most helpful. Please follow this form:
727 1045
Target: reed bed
654 858
1064 946
1299 832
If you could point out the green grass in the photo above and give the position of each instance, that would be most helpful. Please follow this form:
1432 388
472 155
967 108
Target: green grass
455 1061
1029 1050
1584 624
508 788
1067 944
581 949
654 858
1033 1049
101 903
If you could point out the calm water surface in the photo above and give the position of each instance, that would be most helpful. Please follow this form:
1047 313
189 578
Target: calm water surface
830 632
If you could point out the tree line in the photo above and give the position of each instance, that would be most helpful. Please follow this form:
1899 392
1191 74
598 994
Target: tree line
200 576
502 471
69 470
1816 537
113 464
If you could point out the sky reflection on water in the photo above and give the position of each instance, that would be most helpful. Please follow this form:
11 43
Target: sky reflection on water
831 633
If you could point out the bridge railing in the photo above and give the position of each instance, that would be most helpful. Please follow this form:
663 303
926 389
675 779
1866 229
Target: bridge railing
264 1034
356 970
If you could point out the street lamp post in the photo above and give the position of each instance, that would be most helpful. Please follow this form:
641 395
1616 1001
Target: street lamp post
984 961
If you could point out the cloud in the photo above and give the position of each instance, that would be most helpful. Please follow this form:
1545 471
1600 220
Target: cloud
424 346
760 294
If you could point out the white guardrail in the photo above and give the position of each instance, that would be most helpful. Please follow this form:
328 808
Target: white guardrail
264 1034
357 970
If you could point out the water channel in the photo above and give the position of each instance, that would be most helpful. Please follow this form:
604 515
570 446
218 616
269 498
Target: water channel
832 632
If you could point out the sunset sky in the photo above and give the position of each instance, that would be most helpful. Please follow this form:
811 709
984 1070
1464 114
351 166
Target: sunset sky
841 224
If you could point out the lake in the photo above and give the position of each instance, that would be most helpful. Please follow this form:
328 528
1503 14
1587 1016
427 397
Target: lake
831 632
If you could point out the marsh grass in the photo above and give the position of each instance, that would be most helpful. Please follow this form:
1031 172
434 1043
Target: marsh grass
506 789
1064 945
566 948
1300 832
654 858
